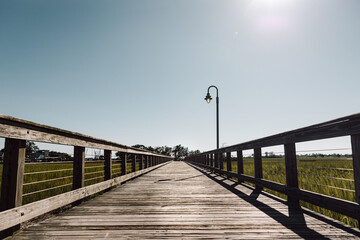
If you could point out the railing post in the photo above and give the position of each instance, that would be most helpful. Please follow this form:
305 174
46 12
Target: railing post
123 157
240 164
355 145
107 164
78 167
221 161
146 161
141 161
228 162
211 160
133 163
12 178
291 173
216 160
258 166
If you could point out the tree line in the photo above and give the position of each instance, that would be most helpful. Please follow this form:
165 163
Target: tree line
178 151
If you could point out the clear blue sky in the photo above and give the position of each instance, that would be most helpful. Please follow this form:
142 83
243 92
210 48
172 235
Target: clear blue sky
137 71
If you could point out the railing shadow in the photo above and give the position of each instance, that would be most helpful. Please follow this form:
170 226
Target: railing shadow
295 221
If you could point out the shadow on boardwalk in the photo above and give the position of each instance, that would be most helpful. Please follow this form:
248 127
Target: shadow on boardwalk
295 221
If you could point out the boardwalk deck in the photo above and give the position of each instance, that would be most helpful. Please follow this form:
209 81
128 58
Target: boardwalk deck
181 201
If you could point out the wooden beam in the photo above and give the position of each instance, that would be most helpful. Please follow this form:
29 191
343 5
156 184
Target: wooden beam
258 166
240 163
107 164
228 162
221 161
355 145
141 161
12 178
216 160
15 216
123 158
133 163
345 126
15 128
79 167
146 161
291 173
13 173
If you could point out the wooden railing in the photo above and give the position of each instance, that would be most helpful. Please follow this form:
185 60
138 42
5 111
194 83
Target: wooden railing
16 132
346 126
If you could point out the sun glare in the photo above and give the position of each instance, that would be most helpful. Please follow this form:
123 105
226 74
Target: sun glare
270 16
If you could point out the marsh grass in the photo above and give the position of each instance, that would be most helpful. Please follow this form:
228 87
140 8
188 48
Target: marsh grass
325 175
330 176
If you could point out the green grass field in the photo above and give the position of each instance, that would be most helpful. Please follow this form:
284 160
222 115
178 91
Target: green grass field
330 176
43 180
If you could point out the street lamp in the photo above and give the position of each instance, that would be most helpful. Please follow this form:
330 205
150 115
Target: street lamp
208 99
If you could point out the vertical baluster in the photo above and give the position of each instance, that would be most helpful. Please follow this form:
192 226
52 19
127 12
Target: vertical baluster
355 145
12 178
78 167
228 161
141 161
221 161
123 157
240 164
133 163
107 164
291 173
258 166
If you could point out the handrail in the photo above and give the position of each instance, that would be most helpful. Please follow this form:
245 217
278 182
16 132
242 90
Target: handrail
11 127
17 131
345 126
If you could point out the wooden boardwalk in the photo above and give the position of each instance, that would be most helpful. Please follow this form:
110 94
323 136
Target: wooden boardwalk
179 201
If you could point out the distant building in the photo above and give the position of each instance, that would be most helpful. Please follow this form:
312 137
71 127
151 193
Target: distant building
40 155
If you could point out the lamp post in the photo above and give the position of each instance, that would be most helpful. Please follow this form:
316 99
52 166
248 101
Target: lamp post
208 99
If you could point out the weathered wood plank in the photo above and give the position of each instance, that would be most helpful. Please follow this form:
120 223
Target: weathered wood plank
291 173
355 144
258 166
12 178
13 174
107 165
15 128
27 212
345 126
347 208
79 167
179 201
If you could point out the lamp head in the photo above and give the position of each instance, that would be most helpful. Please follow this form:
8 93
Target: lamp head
208 98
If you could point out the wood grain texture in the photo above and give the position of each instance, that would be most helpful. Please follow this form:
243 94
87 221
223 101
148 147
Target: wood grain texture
179 201
345 126
16 128
27 212
291 172
355 144
107 165
13 174
79 167
347 208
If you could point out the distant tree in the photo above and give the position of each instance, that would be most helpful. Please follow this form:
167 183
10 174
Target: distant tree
194 152
140 146
180 151
31 147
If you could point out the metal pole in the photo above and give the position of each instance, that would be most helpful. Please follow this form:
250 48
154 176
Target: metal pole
217 122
